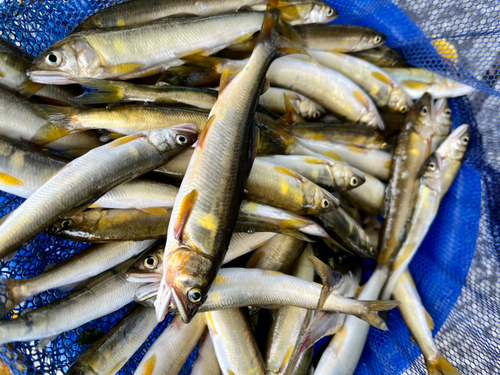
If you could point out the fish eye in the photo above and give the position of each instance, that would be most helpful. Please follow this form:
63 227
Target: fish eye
372 250
325 203
181 139
330 12
354 181
403 109
377 39
195 295
65 224
424 110
447 113
53 59
316 115
465 140
150 262
431 166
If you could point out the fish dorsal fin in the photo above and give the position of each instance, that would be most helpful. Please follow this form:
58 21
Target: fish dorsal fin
383 78
203 135
226 78
326 276
361 97
187 206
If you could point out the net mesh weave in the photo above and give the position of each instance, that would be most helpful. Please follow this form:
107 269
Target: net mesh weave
456 267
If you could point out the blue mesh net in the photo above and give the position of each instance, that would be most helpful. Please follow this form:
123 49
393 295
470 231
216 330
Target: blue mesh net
457 266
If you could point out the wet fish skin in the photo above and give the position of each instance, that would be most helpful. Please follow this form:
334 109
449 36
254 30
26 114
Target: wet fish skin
149 266
274 100
111 164
298 12
206 363
340 38
105 295
327 174
417 321
172 348
112 53
199 233
88 263
121 91
116 347
382 56
441 122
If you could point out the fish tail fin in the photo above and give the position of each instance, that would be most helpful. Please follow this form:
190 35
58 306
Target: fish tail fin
327 278
10 295
371 315
274 34
107 91
29 88
61 122
441 366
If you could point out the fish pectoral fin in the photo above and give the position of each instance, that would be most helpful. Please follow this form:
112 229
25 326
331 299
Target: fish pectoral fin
362 98
226 78
29 88
383 78
204 62
50 133
430 321
187 206
243 38
415 85
43 342
203 135
122 69
325 273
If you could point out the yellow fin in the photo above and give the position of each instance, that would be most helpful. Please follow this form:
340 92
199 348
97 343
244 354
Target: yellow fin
287 172
28 88
7 179
226 78
201 139
52 132
1 74
384 78
415 85
310 160
357 150
243 38
149 366
123 69
430 321
123 140
155 210
205 62
361 97
441 366
187 206
318 137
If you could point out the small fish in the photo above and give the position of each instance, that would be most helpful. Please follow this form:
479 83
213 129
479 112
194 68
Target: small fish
347 134
116 347
73 271
172 348
417 320
288 323
328 88
125 119
103 296
441 122
451 152
369 197
372 161
326 173
384 91
339 38
71 190
232 335
149 266
119 91
428 198
348 233
206 362
416 82
278 254
138 51
298 12
382 56
108 225
274 99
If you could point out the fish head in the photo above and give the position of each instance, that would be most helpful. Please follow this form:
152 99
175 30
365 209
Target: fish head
83 221
441 117
315 11
399 100
370 39
309 109
172 138
322 13
319 199
420 116
372 119
188 275
355 177
148 267
431 172
453 148
64 60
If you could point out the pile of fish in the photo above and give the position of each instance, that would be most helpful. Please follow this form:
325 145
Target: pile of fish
239 181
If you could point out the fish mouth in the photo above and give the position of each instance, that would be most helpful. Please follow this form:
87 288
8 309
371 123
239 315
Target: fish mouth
181 306
187 128
162 302
438 107
50 77
146 291
453 137
134 277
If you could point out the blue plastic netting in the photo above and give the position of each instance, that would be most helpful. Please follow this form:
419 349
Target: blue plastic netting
456 268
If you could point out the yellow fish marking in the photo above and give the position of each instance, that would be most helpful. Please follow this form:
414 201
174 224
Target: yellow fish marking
207 221
7 179
149 366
